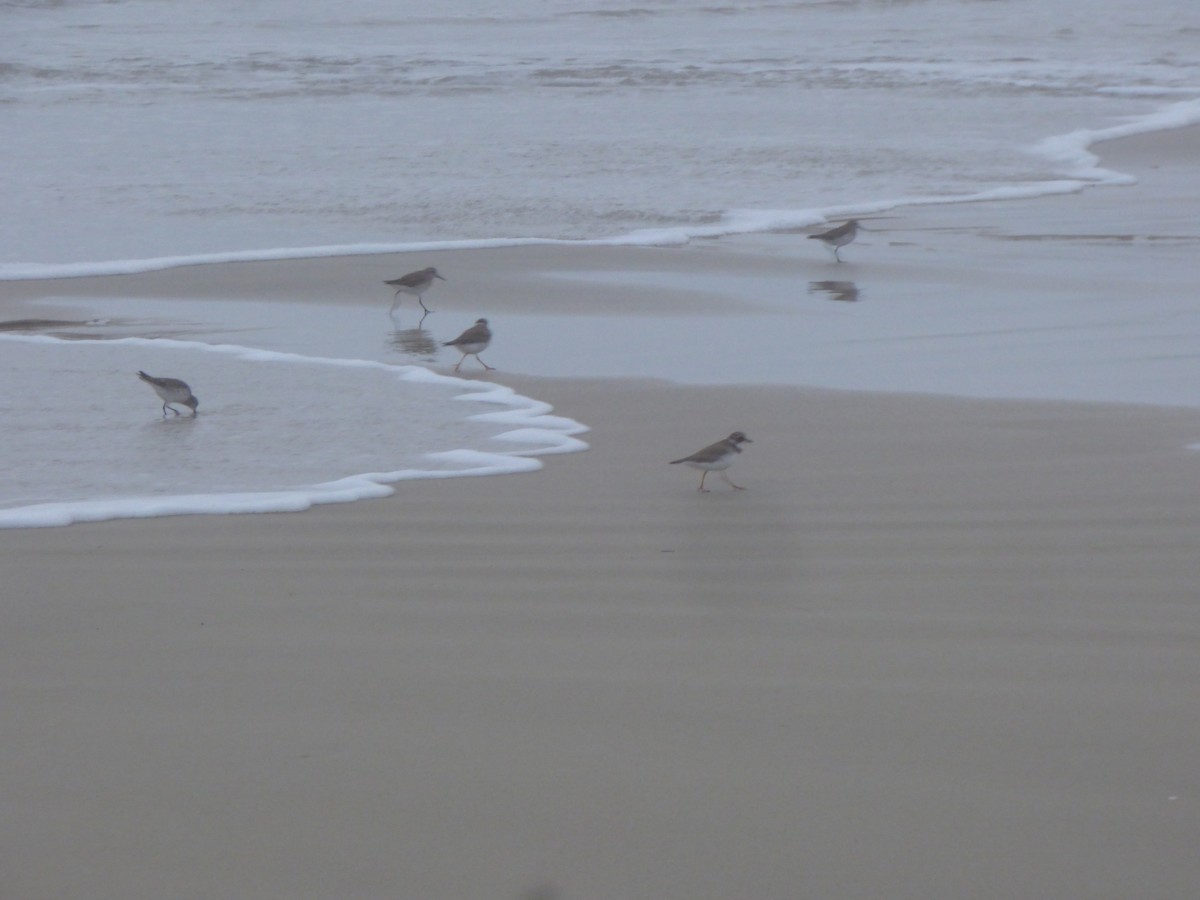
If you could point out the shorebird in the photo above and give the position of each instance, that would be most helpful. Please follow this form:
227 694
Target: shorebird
172 390
838 237
717 458
472 342
415 283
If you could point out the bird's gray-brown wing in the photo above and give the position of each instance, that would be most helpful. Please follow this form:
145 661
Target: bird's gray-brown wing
711 453
412 279
167 384
833 233
476 334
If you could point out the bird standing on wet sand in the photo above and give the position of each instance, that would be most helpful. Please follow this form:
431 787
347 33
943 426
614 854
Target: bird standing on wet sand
171 390
717 458
415 283
838 237
472 342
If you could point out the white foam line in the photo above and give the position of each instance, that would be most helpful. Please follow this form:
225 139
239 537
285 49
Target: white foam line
1071 151
548 433
37 271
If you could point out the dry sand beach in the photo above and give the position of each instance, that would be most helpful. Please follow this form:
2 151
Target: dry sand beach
940 648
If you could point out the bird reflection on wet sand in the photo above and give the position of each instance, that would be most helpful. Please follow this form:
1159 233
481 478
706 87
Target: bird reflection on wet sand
414 342
845 291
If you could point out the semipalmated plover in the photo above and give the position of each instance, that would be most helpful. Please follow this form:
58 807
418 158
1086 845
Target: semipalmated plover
415 283
171 390
838 237
717 458
472 342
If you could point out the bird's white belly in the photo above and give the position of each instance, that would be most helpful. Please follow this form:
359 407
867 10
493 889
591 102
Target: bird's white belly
716 465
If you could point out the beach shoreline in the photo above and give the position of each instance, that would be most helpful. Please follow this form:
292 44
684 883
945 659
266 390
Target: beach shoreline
1013 299
940 647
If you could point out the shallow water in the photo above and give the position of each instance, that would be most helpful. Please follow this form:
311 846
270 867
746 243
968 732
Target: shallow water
85 439
139 135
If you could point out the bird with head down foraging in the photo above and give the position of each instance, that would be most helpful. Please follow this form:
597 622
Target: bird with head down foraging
172 390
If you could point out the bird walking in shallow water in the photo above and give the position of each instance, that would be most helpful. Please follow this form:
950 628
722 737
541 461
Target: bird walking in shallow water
171 390
415 283
472 342
717 458
836 238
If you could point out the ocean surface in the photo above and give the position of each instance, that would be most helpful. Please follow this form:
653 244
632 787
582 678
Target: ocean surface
136 129
141 134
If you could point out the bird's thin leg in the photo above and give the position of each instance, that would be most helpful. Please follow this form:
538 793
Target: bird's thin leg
725 478
423 306
395 303
485 365
422 322
703 475
460 361
836 255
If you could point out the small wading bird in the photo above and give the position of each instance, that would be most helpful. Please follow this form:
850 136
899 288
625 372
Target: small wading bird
836 238
472 342
171 390
415 283
717 458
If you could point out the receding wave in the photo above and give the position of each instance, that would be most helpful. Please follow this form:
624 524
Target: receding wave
276 432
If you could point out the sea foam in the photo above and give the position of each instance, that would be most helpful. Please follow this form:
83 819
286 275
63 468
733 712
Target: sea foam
277 432
1072 151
